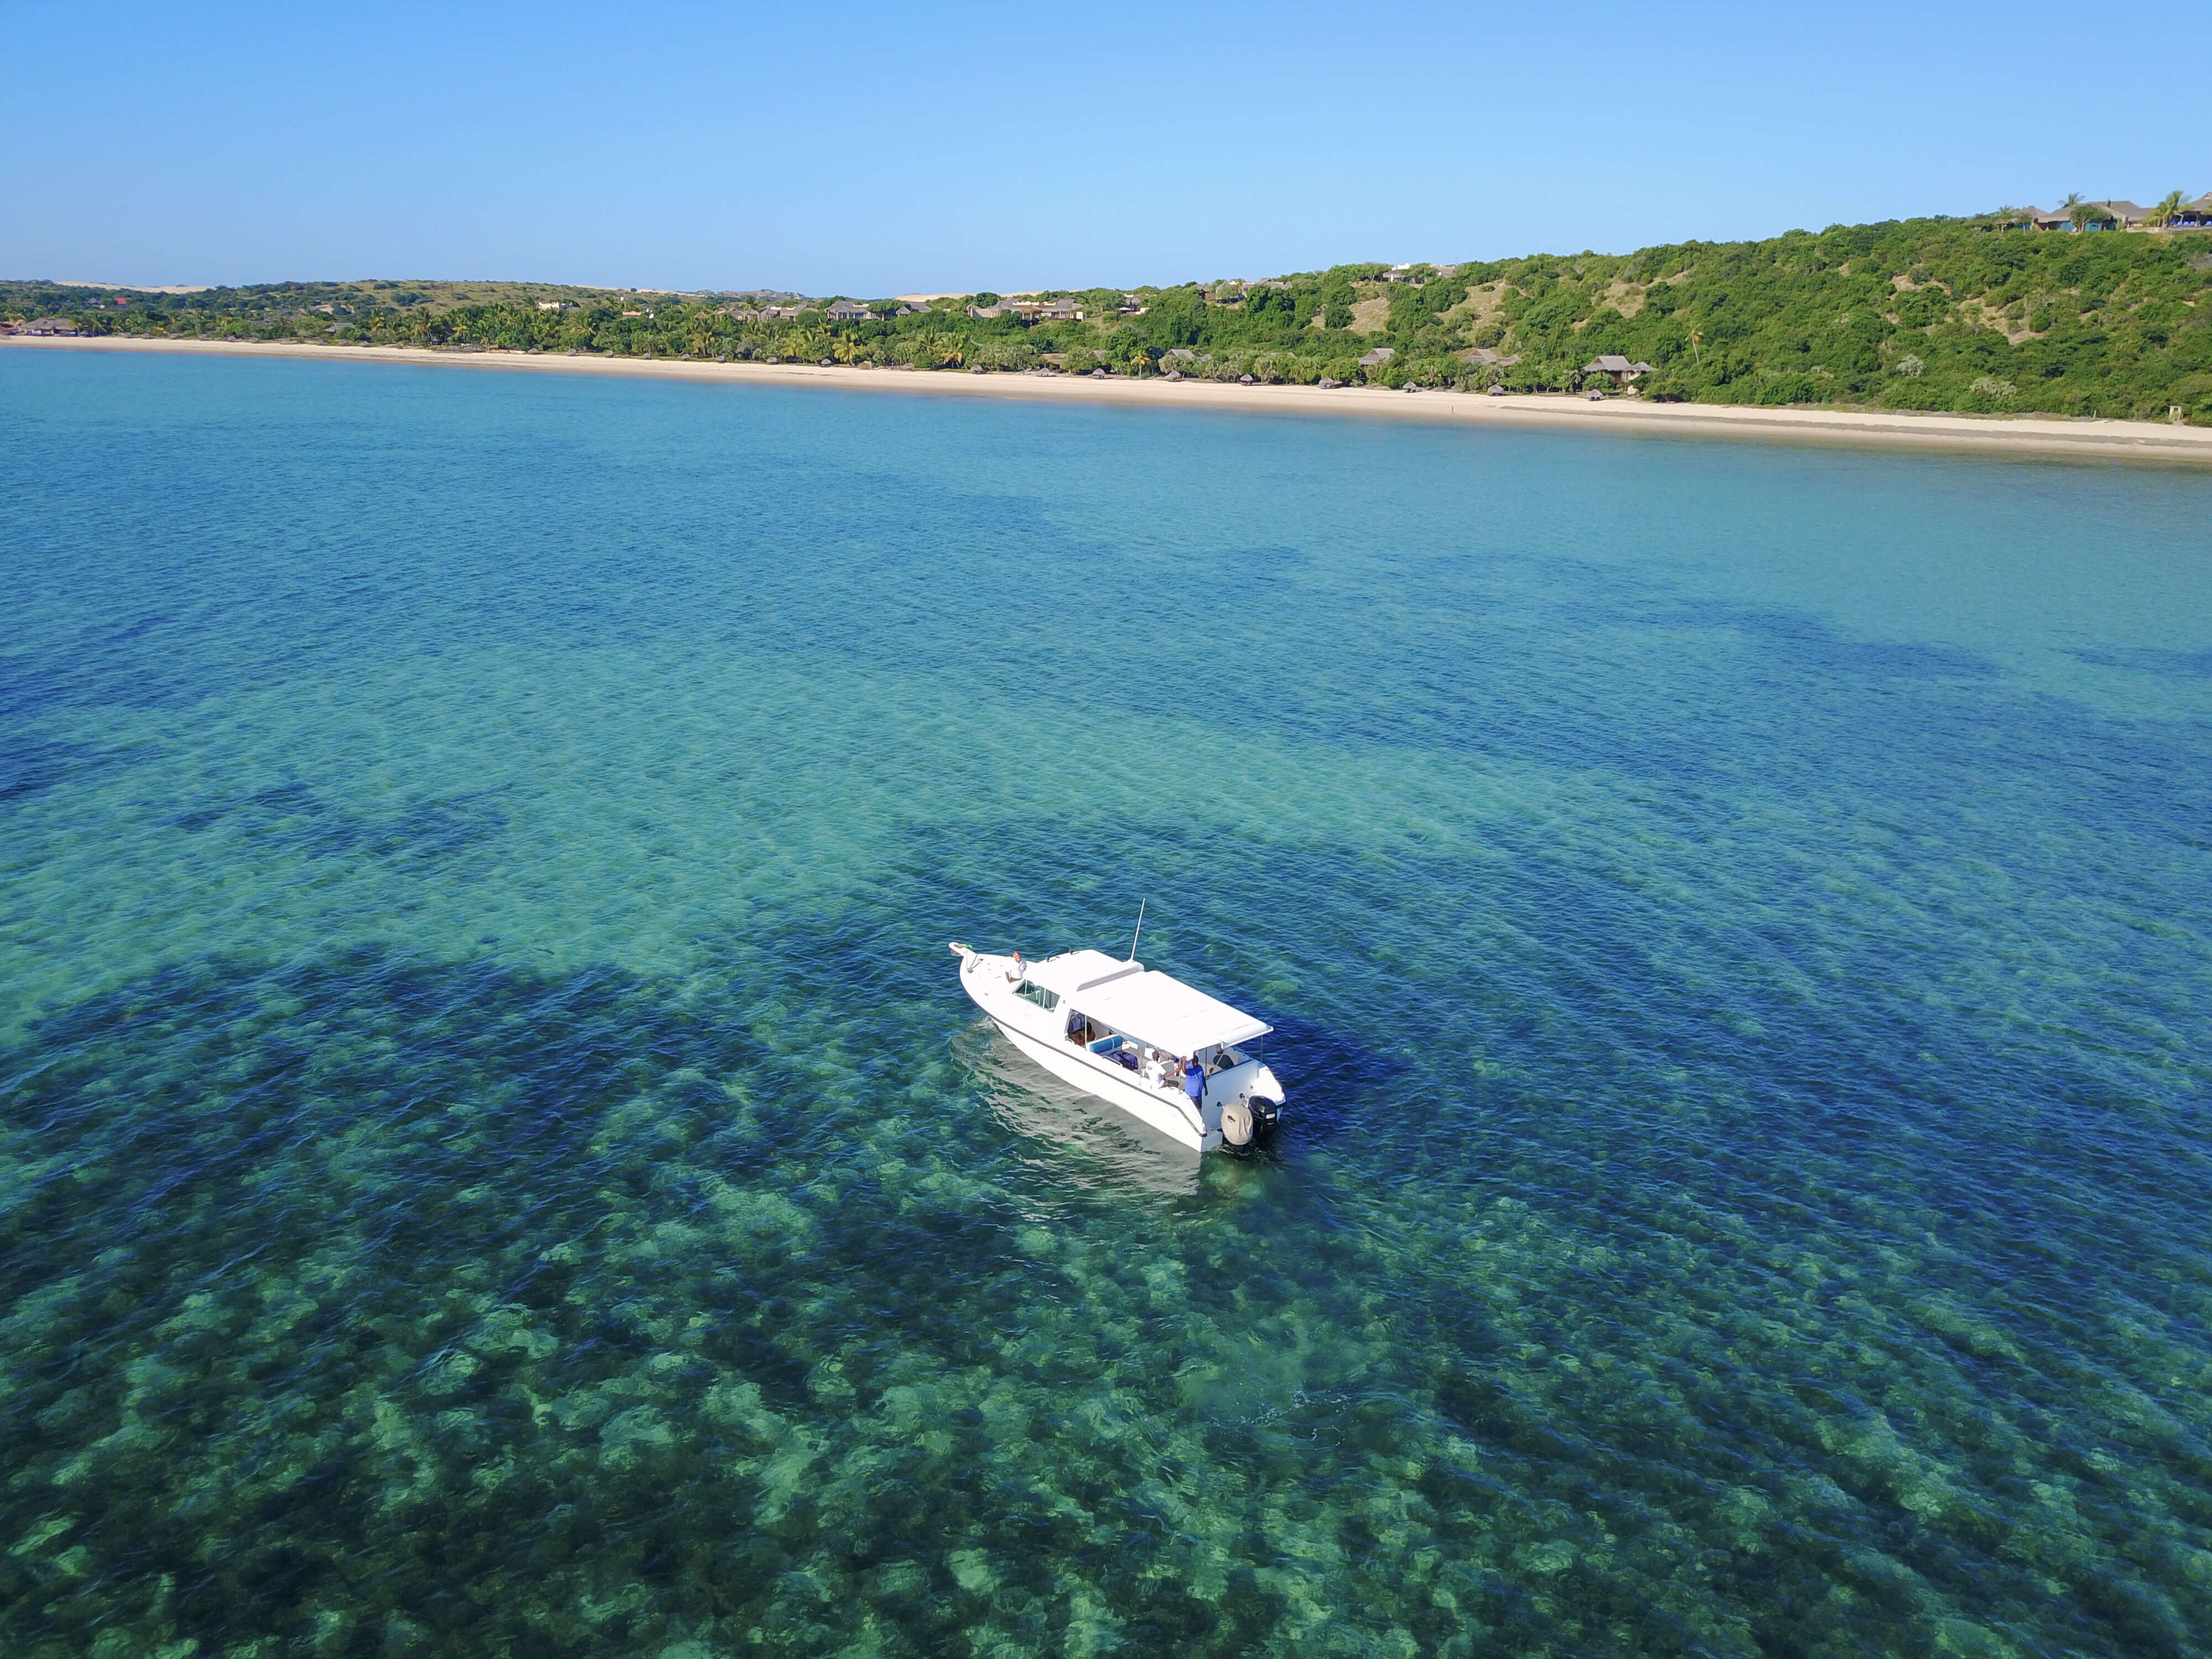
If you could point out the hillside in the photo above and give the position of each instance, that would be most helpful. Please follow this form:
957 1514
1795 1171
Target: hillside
1924 314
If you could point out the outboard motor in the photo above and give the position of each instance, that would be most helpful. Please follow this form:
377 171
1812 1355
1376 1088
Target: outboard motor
1245 1122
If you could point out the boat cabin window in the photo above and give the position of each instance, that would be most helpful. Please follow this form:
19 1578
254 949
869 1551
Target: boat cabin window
1045 1000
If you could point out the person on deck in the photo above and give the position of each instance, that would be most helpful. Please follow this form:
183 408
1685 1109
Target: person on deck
1018 972
1193 1084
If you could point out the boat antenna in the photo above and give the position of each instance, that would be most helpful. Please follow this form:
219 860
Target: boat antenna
1139 933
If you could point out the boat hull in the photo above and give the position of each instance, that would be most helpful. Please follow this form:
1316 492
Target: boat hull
1071 1064
1038 1035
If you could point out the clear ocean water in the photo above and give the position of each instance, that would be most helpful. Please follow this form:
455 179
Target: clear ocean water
495 1160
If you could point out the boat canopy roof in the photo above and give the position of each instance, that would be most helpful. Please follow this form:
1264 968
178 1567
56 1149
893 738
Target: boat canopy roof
1152 1007
1167 1013
1075 971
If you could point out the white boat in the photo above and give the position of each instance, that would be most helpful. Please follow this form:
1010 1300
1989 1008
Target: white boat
1127 1034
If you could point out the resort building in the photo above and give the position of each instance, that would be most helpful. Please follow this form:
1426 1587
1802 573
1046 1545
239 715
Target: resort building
845 311
1615 367
46 325
1032 310
2098 215
2115 216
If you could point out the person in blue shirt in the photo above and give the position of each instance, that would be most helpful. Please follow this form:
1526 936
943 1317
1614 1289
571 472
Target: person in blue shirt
1194 1083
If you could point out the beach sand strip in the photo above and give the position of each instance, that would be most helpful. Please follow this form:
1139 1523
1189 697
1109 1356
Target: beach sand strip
2042 437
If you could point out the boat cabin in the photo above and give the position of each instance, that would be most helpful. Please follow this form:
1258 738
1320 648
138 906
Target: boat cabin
1146 1022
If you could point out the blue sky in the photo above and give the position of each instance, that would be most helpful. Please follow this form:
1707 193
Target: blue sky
869 149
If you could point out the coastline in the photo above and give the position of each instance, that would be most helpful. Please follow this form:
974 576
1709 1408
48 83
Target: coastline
2041 437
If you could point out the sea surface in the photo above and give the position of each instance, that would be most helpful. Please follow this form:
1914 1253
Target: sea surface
494 1158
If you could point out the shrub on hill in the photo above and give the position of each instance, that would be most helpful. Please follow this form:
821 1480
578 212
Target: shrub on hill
1923 314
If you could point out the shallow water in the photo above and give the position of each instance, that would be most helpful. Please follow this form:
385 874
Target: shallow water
497 1160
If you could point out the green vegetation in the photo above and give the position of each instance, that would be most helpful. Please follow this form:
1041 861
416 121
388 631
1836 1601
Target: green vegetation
1925 314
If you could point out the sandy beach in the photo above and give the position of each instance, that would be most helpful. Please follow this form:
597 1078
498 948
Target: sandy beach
2035 436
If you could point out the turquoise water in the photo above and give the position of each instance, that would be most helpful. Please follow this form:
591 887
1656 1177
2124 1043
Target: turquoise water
497 1160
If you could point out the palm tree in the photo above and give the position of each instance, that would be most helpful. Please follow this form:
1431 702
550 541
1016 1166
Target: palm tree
2078 212
1697 335
2168 206
937 349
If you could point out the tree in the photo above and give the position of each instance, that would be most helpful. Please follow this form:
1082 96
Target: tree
2168 206
2107 323
937 350
2078 212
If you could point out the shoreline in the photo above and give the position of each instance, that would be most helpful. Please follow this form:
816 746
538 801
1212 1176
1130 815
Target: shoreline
2043 437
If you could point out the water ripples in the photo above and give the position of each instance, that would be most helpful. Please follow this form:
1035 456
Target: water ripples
492 1156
